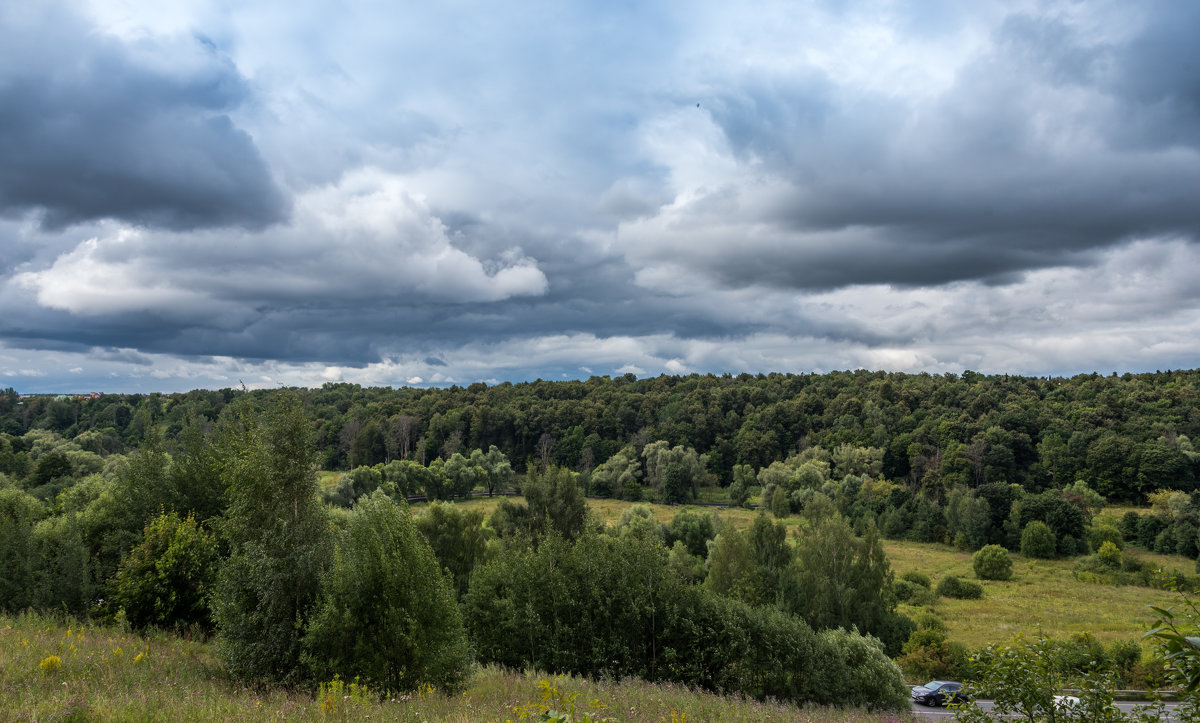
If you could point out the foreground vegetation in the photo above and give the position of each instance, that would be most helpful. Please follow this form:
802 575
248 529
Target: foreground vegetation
903 521
106 673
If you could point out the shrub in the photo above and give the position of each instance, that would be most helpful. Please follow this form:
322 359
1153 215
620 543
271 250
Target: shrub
1103 532
779 503
927 656
930 621
609 605
959 589
1070 546
905 590
918 578
1109 554
386 612
992 563
1038 541
166 579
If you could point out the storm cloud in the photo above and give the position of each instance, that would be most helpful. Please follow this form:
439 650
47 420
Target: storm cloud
94 128
417 195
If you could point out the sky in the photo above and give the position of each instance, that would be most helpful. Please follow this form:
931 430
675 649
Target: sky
204 194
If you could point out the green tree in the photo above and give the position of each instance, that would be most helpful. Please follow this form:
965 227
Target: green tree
458 539
992 563
1023 679
739 489
779 503
694 529
195 472
840 580
386 613
19 512
617 473
278 537
1038 541
555 501
166 579
62 574
497 472
462 476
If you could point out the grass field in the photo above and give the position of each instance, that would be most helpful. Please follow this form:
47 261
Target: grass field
1042 596
106 674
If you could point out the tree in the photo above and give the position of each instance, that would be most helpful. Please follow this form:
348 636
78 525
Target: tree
195 473
617 473
462 475
1023 680
458 539
497 472
278 539
62 575
398 440
545 446
694 530
739 489
992 563
779 503
18 514
556 501
840 580
1038 541
386 613
166 579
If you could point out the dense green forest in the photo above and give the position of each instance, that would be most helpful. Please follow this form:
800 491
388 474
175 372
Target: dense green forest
1123 435
203 511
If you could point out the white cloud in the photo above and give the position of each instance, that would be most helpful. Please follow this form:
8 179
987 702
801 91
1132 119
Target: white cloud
366 238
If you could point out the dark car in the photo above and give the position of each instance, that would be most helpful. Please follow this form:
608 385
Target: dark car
938 692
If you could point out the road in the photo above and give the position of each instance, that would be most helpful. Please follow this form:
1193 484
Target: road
947 715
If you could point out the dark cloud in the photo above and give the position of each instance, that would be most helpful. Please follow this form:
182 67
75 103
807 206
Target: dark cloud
1157 76
92 128
1048 147
912 185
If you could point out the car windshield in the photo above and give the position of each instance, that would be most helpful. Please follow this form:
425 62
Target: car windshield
933 684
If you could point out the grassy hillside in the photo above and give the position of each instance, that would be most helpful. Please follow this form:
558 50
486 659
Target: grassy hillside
1042 595
52 669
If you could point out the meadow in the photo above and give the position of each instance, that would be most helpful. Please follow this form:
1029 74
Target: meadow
56 668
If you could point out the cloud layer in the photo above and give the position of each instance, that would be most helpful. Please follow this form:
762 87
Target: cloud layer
432 195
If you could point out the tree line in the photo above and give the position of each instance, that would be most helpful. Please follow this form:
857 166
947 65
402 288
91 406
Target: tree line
1124 436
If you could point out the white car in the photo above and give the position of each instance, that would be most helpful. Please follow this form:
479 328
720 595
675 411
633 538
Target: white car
1065 702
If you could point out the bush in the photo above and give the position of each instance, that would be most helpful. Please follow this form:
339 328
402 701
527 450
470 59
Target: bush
905 590
1103 532
165 580
610 605
992 563
1038 541
959 589
1109 554
927 656
918 578
930 621
779 503
386 612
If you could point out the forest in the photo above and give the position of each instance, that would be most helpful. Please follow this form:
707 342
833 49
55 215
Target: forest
215 512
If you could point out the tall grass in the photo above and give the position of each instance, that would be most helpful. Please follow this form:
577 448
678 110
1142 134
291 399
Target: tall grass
107 674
